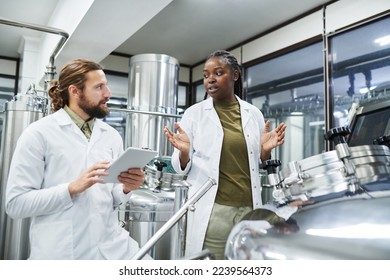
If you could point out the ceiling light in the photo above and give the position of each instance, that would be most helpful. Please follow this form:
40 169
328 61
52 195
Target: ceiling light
296 113
365 90
382 41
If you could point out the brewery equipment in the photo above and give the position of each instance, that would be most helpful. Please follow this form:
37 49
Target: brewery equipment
345 195
175 218
19 113
347 211
152 205
153 86
152 103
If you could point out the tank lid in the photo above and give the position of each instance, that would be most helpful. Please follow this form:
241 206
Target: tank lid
152 57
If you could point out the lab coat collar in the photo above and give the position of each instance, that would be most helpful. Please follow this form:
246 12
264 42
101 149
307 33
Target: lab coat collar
245 111
63 119
211 113
209 103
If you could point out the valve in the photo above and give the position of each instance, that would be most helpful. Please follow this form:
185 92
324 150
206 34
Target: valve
160 166
270 165
337 134
383 140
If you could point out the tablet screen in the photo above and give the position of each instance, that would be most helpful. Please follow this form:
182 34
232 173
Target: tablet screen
131 158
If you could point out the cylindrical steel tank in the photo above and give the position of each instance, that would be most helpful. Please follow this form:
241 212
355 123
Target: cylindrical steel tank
153 86
19 113
152 205
145 213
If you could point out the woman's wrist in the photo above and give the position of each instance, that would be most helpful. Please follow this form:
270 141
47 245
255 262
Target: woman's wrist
184 159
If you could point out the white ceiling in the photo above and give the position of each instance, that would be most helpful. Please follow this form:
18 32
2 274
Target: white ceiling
185 29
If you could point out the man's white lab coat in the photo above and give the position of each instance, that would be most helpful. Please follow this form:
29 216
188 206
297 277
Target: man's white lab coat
50 154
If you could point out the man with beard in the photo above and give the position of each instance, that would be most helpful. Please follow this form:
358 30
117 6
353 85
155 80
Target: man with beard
57 173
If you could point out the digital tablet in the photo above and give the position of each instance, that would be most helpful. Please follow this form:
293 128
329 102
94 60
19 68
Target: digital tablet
130 158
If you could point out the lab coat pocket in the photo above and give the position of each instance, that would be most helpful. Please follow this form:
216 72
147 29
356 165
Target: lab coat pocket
52 241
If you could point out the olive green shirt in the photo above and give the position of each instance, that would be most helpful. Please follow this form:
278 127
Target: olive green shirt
234 187
86 127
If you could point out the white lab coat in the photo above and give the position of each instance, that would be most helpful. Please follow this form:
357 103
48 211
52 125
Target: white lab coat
50 154
205 131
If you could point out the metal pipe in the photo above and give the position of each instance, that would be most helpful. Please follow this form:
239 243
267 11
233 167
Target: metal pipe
64 36
41 28
34 27
178 236
174 219
145 112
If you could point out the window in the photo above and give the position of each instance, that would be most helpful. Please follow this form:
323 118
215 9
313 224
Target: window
8 84
290 89
199 91
360 68
182 94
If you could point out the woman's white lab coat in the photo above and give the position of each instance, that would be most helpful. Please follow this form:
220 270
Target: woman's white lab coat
204 129
51 153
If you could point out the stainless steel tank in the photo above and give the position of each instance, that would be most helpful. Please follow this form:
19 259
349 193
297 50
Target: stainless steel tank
152 205
348 218
145 213
19 113
348 227
153 86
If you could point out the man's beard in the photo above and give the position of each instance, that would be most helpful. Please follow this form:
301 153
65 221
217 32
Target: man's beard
94 111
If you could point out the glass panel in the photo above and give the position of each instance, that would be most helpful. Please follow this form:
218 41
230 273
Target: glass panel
182 96
8 77
290 89
360 63
200 92
8 66
7 86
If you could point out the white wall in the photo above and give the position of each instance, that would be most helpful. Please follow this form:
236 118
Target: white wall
337 15
116 63
298 31
29 57
346 12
